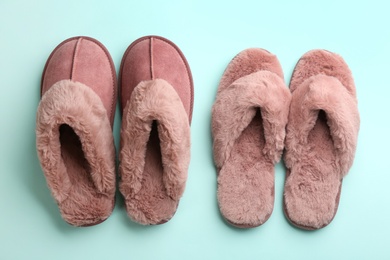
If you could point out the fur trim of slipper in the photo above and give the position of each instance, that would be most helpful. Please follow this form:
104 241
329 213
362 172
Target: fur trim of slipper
236 106
154 100
325 93
73 105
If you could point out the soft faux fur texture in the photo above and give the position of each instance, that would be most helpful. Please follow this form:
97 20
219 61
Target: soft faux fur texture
248 126
236 107
153 178
321 138
76 150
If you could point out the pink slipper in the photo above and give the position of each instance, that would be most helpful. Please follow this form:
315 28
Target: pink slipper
321 138
156 99
249 118
74 130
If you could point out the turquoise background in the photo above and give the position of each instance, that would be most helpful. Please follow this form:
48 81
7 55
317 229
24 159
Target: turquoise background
210 34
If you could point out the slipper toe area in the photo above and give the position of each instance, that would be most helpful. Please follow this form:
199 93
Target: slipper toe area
247 62
324 62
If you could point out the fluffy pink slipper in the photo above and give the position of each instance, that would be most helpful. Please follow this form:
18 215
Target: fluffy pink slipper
157 99
249 118
321 138
74 130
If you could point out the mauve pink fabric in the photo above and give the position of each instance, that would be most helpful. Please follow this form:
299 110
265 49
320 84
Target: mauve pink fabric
154 57
248 125
156 102
85 60
74 139
321 138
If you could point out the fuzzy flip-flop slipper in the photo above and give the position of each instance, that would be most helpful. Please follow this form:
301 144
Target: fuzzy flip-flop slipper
74 137
249 118
321 138
156 95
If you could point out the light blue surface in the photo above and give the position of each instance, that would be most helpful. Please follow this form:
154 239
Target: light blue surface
209 33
